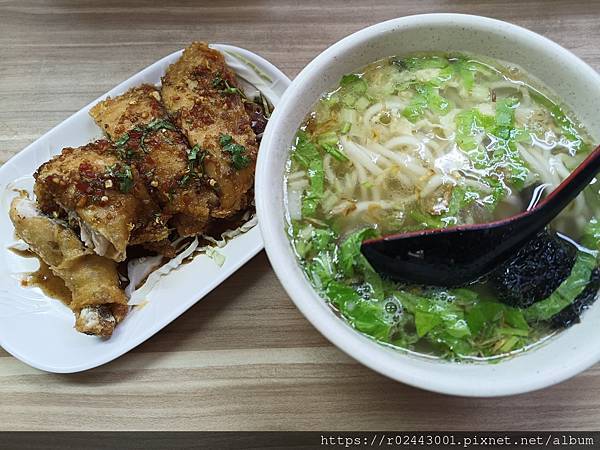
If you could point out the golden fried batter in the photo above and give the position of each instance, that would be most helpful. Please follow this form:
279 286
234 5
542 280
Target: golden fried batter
173 173
200 92
96 298
103 196
182 157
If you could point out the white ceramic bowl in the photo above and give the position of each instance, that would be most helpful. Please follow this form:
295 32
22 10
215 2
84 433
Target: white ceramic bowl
571 79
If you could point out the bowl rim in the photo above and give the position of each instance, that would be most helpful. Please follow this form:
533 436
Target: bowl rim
353 343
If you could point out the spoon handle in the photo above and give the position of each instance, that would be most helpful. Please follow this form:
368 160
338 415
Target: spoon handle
570 188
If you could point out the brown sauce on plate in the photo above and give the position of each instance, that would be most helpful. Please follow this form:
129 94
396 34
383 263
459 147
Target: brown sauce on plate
44 278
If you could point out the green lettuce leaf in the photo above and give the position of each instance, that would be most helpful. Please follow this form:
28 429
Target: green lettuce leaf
591 235
352 262
366 316
321 268
427 97
505 150
566 292
308 157
354 83
501 127
469 124
305 151
465 70
352 87
442 319
350 249
312 198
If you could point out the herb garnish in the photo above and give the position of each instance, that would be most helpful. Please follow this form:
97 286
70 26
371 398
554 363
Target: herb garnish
121 144
122 140
155 125
159 124
123 150
195 157
223 86
237 151
122 173
185 179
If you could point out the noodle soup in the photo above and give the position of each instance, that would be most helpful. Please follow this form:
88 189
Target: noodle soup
430 141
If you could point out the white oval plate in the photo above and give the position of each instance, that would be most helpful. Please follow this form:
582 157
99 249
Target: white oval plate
39 330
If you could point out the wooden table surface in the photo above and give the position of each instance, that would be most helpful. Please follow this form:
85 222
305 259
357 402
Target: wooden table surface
244 357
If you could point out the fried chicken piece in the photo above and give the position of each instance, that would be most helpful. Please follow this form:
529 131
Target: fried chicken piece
97 301
93 189
199 92
138 124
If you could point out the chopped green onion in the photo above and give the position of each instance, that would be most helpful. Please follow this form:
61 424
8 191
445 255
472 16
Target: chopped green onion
329 138
335 151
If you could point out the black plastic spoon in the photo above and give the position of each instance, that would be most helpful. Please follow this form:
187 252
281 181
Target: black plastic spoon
456 256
